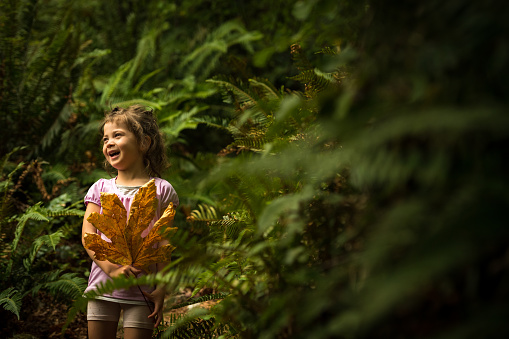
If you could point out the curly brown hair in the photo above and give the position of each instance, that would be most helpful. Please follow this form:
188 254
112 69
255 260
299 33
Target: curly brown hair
142 123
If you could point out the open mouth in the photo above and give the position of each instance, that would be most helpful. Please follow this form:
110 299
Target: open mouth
113 154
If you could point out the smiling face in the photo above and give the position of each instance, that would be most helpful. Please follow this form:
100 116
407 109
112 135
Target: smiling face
120 147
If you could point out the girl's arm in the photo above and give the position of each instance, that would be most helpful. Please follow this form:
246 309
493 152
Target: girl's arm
112 270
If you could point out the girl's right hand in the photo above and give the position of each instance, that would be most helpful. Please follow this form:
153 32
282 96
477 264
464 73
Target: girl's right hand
128 271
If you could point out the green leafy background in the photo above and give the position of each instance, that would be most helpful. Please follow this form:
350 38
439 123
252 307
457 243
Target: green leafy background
341 165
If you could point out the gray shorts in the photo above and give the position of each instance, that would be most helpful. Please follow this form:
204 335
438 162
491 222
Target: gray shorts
134 315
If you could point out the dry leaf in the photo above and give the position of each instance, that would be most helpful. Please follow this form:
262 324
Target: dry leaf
127 247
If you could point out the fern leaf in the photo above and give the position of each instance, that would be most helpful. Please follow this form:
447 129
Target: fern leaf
79 305
66 213
245 40
32 213
6 157
96 53
68 285
52 239
115 79
299 59
269 92
195 324
53 131
48 240
138 101
145 78
146 48
312 77
243 96
10 300
329 50
175 123
5 203
194 60
253 143
204 213
214 270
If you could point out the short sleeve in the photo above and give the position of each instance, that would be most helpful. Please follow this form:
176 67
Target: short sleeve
94 193
168 194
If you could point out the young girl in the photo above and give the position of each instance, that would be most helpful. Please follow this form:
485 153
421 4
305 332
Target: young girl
133 145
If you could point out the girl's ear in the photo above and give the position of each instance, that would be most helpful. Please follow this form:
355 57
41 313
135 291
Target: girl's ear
145 145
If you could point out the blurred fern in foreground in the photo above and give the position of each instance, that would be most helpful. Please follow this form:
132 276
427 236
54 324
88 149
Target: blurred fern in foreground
383 213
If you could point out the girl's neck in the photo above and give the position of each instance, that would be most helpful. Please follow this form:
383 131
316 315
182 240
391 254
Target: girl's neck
132 179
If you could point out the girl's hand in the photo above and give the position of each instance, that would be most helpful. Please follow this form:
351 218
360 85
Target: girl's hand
157 297
128 271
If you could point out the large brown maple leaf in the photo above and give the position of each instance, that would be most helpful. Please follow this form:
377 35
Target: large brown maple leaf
127 247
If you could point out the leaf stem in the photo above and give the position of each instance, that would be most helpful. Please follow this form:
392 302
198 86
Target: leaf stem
150 308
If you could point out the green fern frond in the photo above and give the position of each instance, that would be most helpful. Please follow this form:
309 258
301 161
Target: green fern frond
37 214
70 228
230 229
6 157
67 286
222 229
268 90
314 80
53 131
205 213
299 59
95 54
243 97
234 32
5 187
195 324
251 143
115 80
50 240
145 78
209 67
328 50
56 172
139 101
178 121
72 137
229 28
10 176
32 213
216 270
246 39
66 213
146 48
207 55
199 55
10 300
176 96
197 328
215 122
79 305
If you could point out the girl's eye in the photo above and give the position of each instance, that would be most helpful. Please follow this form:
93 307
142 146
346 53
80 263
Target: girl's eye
117 135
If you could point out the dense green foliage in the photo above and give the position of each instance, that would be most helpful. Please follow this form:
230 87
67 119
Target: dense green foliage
341 165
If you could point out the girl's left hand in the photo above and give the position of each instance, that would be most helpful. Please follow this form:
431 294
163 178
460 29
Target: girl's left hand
157 297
